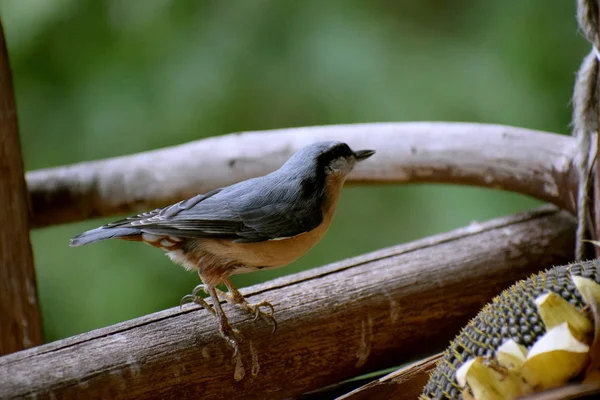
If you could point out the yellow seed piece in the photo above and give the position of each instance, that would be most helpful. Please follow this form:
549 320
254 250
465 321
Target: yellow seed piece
511 355
554 359
554 310
588 289
488 383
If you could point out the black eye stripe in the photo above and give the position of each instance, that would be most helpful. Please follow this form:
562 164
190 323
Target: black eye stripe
323 162
340 150
337 151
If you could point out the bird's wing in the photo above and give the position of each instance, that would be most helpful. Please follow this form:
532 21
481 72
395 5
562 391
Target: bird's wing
280 212
247 212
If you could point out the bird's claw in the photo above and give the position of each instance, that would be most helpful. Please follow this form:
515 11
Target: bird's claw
194 298
269 316
186 299
258 312
232 337
199 288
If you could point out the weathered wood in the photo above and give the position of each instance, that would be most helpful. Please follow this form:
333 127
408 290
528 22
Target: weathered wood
339 389
20 323
335 322
580 391
534 163
404 384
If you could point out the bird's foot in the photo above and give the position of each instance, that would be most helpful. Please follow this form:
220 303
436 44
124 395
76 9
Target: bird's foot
235 297
232 337
267 315
194 298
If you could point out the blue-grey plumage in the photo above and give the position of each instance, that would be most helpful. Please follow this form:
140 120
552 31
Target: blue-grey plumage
263 222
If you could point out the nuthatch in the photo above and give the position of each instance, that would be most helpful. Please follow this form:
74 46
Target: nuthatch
259 223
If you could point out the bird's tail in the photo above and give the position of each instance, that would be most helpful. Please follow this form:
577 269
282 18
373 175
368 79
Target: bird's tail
102 233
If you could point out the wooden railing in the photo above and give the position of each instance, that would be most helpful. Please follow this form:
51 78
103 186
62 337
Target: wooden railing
335 322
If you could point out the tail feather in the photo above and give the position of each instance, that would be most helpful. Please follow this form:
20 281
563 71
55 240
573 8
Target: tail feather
95 235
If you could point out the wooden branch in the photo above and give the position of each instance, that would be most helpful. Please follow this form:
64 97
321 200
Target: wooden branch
404 384
335 322
20 323
520 160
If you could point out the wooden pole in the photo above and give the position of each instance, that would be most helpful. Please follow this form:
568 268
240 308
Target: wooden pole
20 322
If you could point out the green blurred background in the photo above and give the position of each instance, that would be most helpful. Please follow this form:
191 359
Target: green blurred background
98 79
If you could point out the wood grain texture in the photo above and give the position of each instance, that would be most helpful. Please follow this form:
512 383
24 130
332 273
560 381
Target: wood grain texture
404 384
579 391
335 322
20 323
534 163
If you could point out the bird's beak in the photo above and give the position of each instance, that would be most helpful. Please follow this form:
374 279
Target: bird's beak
363 154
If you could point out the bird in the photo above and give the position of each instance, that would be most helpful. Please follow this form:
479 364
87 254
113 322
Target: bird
260 223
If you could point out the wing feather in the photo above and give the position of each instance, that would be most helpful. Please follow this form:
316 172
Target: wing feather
251 211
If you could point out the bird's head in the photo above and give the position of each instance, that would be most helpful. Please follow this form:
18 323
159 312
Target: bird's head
336 157
318 161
